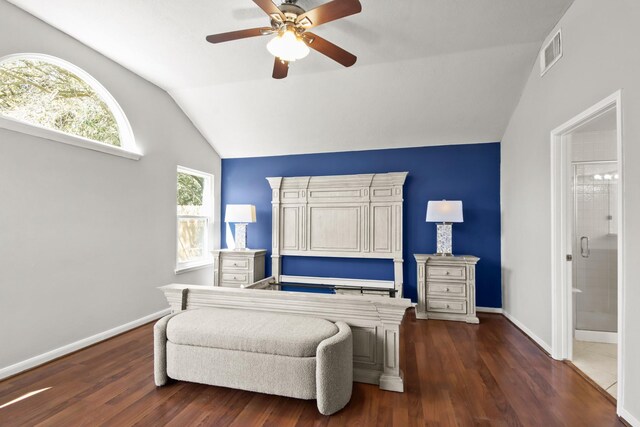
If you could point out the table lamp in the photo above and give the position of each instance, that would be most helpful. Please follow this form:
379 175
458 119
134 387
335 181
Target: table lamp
445 212
241 215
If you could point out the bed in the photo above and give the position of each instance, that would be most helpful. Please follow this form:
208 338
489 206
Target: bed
346 216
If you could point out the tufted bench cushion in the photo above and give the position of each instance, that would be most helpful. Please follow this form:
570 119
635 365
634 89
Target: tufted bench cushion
255 332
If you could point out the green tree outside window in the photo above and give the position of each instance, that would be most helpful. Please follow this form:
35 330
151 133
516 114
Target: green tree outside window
50 96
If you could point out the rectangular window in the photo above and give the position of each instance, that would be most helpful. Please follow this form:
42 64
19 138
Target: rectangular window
194 219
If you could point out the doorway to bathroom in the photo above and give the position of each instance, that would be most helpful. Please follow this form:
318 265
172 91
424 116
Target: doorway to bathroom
595 252
587 233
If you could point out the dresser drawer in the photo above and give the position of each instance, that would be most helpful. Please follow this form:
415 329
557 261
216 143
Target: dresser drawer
235 263
447 306
447 289
235 278
446 272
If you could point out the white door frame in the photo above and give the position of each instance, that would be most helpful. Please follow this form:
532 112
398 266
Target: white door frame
561 271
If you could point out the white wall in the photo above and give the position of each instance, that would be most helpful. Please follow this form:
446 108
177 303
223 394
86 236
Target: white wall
601 55
86 237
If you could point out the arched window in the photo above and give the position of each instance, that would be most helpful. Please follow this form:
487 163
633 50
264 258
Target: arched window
41 92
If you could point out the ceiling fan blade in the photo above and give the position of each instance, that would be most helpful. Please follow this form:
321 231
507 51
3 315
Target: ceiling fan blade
329 49
270 9
328 12
240 34
280 69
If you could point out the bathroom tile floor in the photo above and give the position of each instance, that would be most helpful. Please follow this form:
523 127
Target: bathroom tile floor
599 361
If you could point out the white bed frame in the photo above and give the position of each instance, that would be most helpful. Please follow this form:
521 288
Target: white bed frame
348 216
345 216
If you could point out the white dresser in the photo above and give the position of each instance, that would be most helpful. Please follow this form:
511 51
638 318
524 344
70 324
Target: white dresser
447 287
233 268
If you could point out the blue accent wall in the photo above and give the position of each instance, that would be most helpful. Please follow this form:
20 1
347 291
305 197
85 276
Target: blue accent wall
470 173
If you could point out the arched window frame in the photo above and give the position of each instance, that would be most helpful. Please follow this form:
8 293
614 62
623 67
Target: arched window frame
128 147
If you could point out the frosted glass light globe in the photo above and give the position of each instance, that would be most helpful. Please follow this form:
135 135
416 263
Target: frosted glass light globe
288 47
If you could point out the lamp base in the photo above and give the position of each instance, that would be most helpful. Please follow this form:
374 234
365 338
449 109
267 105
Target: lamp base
241 237
444 239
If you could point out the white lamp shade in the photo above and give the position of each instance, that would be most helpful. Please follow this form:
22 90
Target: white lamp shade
444 211
240 213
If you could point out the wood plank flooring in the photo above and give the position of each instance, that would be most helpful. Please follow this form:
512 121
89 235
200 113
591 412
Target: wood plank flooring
455 374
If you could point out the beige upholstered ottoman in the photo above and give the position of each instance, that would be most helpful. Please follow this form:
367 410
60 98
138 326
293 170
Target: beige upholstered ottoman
287 355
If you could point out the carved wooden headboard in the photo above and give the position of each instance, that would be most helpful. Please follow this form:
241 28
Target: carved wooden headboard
345 216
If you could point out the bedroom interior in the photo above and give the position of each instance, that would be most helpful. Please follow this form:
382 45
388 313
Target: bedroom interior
319 212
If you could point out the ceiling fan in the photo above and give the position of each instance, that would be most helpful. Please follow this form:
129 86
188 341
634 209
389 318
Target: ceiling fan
290 22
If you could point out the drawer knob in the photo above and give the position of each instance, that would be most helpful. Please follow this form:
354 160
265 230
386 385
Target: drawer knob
447 273
446 289
235 264
448 306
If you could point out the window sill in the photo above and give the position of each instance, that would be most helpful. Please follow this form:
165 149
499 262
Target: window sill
54 135
193 267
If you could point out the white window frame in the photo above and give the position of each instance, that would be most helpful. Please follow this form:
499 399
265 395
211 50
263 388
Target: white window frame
128 148
208 203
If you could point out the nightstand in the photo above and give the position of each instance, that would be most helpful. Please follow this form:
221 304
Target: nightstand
233 268
447 287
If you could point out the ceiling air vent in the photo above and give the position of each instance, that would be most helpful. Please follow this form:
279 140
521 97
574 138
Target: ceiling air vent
551 53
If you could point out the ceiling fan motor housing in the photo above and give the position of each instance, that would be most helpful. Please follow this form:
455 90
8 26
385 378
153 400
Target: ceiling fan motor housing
291 10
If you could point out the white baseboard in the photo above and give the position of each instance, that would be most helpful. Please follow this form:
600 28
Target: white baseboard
596 336
489 310
629 418
528 332
478 309
75 346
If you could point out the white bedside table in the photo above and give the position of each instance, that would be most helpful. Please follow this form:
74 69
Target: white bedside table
233 268
447 287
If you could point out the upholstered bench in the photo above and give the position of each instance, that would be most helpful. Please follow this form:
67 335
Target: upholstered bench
287 355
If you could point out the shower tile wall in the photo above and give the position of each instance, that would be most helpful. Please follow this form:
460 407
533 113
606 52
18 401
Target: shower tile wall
594 146
596 203
596 275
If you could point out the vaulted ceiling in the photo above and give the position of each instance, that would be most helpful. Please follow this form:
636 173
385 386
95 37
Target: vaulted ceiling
429 71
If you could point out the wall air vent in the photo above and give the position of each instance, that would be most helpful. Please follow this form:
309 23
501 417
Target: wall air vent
551 53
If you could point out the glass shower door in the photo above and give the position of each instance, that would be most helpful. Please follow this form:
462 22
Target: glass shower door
595 274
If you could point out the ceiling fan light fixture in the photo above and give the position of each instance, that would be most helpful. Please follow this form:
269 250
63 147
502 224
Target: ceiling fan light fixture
288 46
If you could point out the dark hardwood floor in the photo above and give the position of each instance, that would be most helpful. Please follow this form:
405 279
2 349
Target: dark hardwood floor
455 374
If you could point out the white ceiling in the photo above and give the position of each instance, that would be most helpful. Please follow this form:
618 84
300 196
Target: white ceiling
428 72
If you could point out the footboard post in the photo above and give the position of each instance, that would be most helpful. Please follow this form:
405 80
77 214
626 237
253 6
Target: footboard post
391 378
